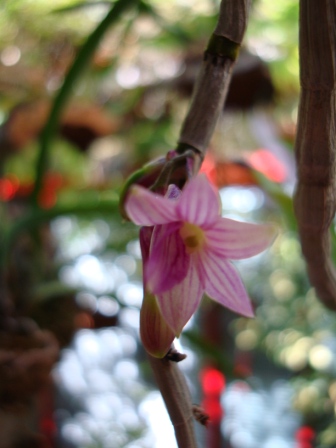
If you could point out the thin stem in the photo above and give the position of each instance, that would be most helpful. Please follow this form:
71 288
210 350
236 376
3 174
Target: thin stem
175 392
65 92
38 216
206 105
215 76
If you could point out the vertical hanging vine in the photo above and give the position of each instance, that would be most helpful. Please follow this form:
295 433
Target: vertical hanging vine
315 147
206 105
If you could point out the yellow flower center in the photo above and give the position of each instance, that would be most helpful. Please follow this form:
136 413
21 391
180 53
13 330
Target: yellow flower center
192 236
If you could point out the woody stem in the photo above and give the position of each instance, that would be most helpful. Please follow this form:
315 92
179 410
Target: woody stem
206 105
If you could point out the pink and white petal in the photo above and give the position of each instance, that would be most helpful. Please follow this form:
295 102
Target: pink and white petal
236 240
145 237
178 304
168 261
223 283
199 202
145 208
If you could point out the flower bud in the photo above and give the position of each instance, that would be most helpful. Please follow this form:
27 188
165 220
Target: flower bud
155 334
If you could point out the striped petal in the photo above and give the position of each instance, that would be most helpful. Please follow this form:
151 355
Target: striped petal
145 236
199 202
168 261
223 283
145 208
178 304
236 240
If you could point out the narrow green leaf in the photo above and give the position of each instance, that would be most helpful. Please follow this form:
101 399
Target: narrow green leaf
64 93
282 199
81 5
174 30
208 350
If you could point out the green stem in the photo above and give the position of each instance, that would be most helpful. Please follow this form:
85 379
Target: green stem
64 93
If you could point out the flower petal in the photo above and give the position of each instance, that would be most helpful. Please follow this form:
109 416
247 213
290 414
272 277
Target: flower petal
178 304
155 333
235 240
145 208
145 236
199 202
223 283
168 261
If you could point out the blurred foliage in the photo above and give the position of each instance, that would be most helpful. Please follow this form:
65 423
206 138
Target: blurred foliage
294 330
273 34
128 86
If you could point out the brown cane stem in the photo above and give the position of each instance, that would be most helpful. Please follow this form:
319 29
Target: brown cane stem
206 106
316 143
176 396
215 75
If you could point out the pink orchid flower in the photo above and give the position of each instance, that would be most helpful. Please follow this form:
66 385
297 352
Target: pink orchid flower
190 250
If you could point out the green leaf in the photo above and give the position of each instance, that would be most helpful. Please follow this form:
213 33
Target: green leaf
74 73
81 5
282 199
174 30
208 350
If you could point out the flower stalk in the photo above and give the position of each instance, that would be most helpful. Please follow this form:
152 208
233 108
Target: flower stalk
197 129
176 395
215 76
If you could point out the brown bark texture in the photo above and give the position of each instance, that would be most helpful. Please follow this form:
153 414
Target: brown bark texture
214 78
206 105
315 147
175 393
